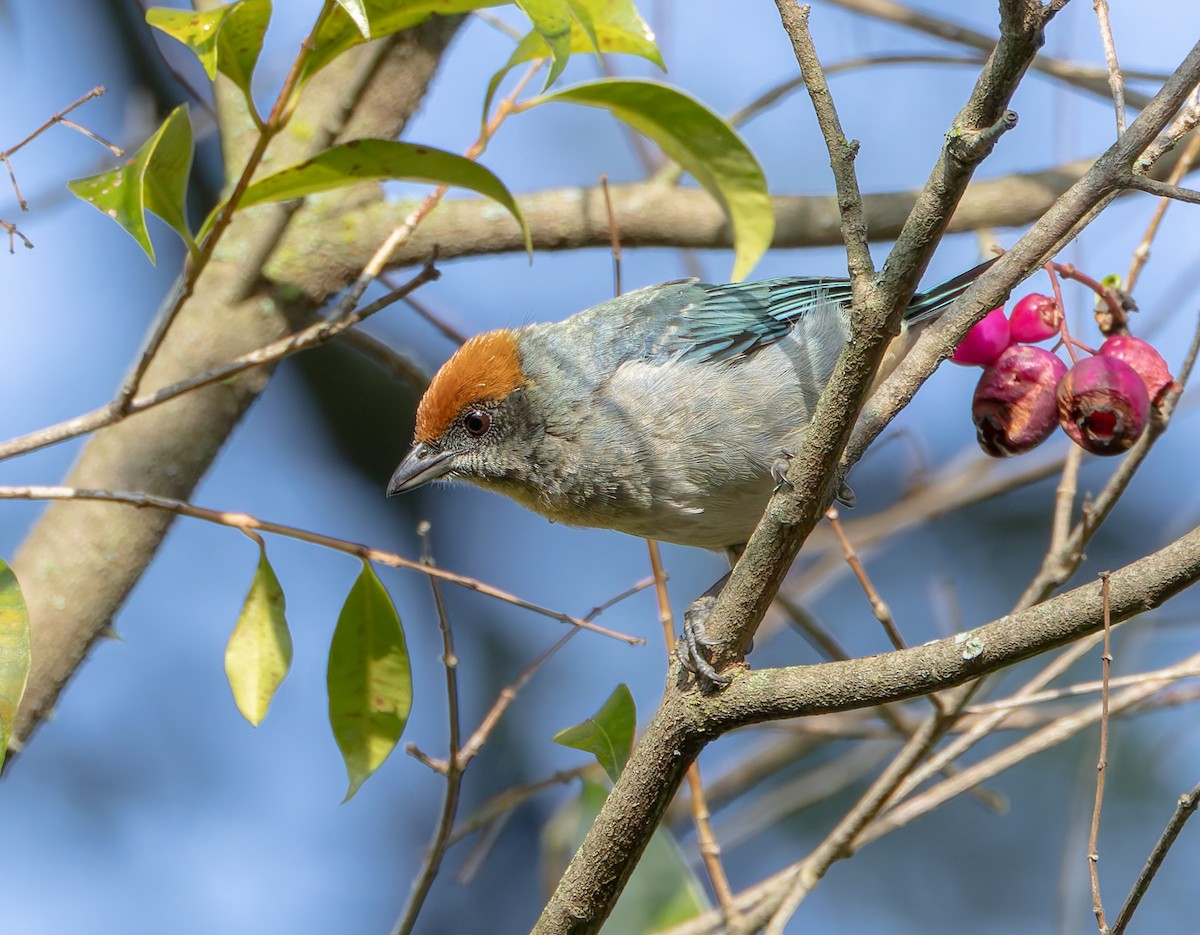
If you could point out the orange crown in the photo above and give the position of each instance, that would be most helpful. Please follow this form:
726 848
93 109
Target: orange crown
486 367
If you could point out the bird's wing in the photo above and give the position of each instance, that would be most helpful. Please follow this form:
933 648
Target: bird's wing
723 322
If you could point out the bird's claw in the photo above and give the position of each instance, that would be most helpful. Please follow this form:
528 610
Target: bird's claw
845 495
779 468
690 652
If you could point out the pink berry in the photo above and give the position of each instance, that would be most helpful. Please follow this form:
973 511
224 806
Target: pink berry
1014 408
985 341
1035 318
1143 358
1103 405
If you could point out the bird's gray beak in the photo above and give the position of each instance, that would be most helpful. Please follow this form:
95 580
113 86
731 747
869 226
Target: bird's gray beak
418 468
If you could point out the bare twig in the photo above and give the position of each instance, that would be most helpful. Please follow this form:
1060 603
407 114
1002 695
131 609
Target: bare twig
454 769
710 848
1165 189
1184 809
1089 79
878 605
11 230
615 234
316 333
1115 81
243 522
509 693
1093 856
1142 253
837 843
842 151
1053 734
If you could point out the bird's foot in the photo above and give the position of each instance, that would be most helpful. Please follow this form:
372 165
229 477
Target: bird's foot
779 468
691 652
845 495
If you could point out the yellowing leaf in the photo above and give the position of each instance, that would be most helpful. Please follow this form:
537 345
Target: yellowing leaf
14 653
613 26
155 179
607 734
259 652
367 160
369 679
702 143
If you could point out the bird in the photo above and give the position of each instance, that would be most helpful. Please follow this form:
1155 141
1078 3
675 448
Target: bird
663 413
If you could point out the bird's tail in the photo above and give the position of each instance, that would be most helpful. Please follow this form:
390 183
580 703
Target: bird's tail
929 304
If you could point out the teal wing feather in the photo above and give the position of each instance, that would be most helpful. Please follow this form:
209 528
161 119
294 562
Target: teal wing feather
718 323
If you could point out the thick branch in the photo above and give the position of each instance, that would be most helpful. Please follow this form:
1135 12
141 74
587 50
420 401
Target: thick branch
648 215
773 694
594 879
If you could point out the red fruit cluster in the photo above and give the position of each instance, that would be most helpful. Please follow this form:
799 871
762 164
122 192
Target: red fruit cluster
1102 402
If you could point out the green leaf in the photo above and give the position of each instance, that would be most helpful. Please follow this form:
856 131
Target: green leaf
607 734
369 679
228 38
155 179
339 31
374 160
702 143
611 26
552 24
240 41
662 893
259 652
14 653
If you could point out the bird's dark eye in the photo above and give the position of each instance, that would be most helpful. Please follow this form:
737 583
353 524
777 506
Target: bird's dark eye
477 423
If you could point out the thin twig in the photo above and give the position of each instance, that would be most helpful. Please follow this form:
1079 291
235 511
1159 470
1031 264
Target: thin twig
1168 674
1053 734
710 849
509 693
1115 81
1164 189
13 232
316 333
58 118
614 235
878 605
508 800
1184 809
454 769
1089 79
899 719
836 844
842 151
1142 253
1093 856
243 521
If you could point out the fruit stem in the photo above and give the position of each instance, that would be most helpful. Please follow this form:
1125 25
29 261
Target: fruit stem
1067 340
